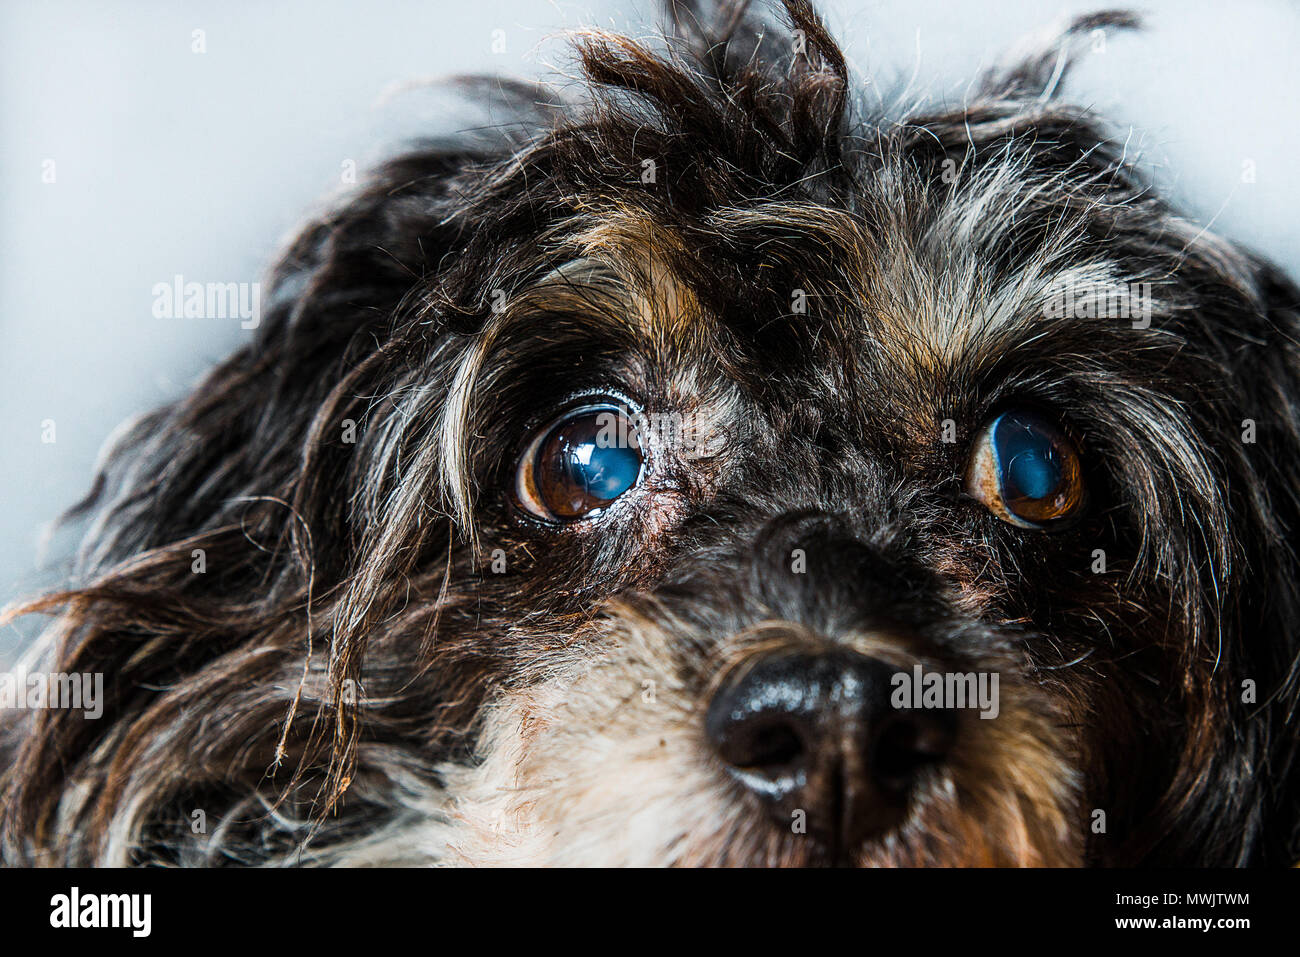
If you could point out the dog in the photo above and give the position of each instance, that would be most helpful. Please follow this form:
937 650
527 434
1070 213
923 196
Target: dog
710 469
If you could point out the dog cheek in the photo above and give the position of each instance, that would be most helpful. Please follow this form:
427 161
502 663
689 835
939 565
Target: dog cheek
664 510
566 779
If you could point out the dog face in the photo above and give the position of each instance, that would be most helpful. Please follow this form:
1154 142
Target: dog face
642 489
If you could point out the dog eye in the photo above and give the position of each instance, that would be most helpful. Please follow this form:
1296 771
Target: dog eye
580 464
1025 471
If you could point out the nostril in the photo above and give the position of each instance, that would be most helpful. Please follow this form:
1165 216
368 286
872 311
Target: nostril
907 745
762 725
815 732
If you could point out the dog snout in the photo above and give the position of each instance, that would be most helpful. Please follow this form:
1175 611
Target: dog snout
826 572
815 732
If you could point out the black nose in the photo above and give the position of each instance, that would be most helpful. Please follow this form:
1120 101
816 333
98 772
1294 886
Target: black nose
816 732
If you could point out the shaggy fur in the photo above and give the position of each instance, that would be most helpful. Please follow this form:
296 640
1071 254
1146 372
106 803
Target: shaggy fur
351 681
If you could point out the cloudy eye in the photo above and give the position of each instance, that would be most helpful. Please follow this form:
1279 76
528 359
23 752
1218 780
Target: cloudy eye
579 464
1025 471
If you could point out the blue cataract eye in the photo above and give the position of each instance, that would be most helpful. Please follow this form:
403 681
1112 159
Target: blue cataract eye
1029 464
605 473
1025 470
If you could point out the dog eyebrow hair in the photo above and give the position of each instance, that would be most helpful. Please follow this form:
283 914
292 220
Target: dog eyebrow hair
919 280
618 263
842 230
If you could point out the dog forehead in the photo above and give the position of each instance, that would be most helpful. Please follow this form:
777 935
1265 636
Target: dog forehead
898 286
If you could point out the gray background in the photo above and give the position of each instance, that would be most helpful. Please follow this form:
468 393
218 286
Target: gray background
168 161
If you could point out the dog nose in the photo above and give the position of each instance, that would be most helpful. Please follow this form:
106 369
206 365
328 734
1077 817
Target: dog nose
816 732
